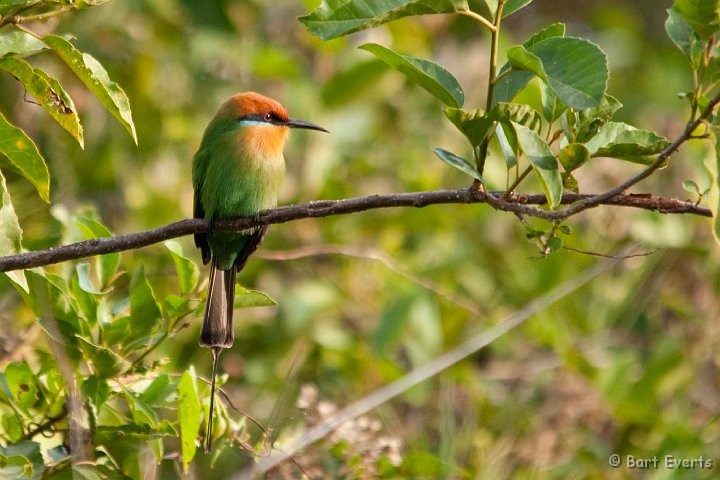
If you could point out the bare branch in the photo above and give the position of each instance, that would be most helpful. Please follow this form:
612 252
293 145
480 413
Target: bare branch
517 203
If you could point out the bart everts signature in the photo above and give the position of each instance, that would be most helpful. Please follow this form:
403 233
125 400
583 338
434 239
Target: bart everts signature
668 462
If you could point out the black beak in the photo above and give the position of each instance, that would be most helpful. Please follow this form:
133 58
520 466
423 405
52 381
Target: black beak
295 123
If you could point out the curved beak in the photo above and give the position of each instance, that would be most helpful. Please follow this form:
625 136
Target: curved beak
295 123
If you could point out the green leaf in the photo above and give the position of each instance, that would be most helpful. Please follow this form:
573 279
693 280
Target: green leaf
21 461
552 107
189 415
473 124
575 69
22 385
572 156
84 282
513 6
19 43
712 165
690 186
591 119
10 235
107 362
141 412
96 79
625 142
97 390
24 156
518 113
508 144
430 76
682 34
187 272
521 59
159 390
335 18
702 15
144 312
554 30
252 298
543 162
107 264
48 92
515 80
457 162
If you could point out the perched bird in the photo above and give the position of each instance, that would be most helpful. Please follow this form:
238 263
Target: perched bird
237 171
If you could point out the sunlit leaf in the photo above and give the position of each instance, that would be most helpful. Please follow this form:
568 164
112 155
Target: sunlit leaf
96 79
22 385
623 141
10 234
543 162
48 92
252 298
141 412
573 156
83 272
457 162
432 77
158 391
19 43
335 18
24 156
107 362
189 415
187 272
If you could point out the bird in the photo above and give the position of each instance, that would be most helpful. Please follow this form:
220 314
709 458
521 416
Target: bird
237 171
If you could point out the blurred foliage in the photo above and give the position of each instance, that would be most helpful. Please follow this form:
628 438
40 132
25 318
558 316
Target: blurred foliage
627 365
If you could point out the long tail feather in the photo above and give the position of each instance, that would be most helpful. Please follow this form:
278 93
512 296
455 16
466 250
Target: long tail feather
208 435
217 329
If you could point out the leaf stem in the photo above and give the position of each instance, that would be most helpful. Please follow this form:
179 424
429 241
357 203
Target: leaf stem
476 16
492 72
517 181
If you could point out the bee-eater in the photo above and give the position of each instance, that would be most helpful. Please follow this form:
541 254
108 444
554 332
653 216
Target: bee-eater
237 171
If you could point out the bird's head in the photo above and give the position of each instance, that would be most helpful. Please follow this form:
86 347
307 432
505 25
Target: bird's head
257 124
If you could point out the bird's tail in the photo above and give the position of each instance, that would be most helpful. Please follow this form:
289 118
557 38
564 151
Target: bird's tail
217 328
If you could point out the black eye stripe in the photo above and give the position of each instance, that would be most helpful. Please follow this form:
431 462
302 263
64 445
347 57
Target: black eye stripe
263 117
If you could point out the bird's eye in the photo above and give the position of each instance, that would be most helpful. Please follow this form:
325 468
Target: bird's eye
268 117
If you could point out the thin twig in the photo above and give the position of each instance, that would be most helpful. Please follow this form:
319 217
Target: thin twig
379 256
605 255
517 203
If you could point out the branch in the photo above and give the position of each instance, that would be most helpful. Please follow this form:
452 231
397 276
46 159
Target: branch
517 203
